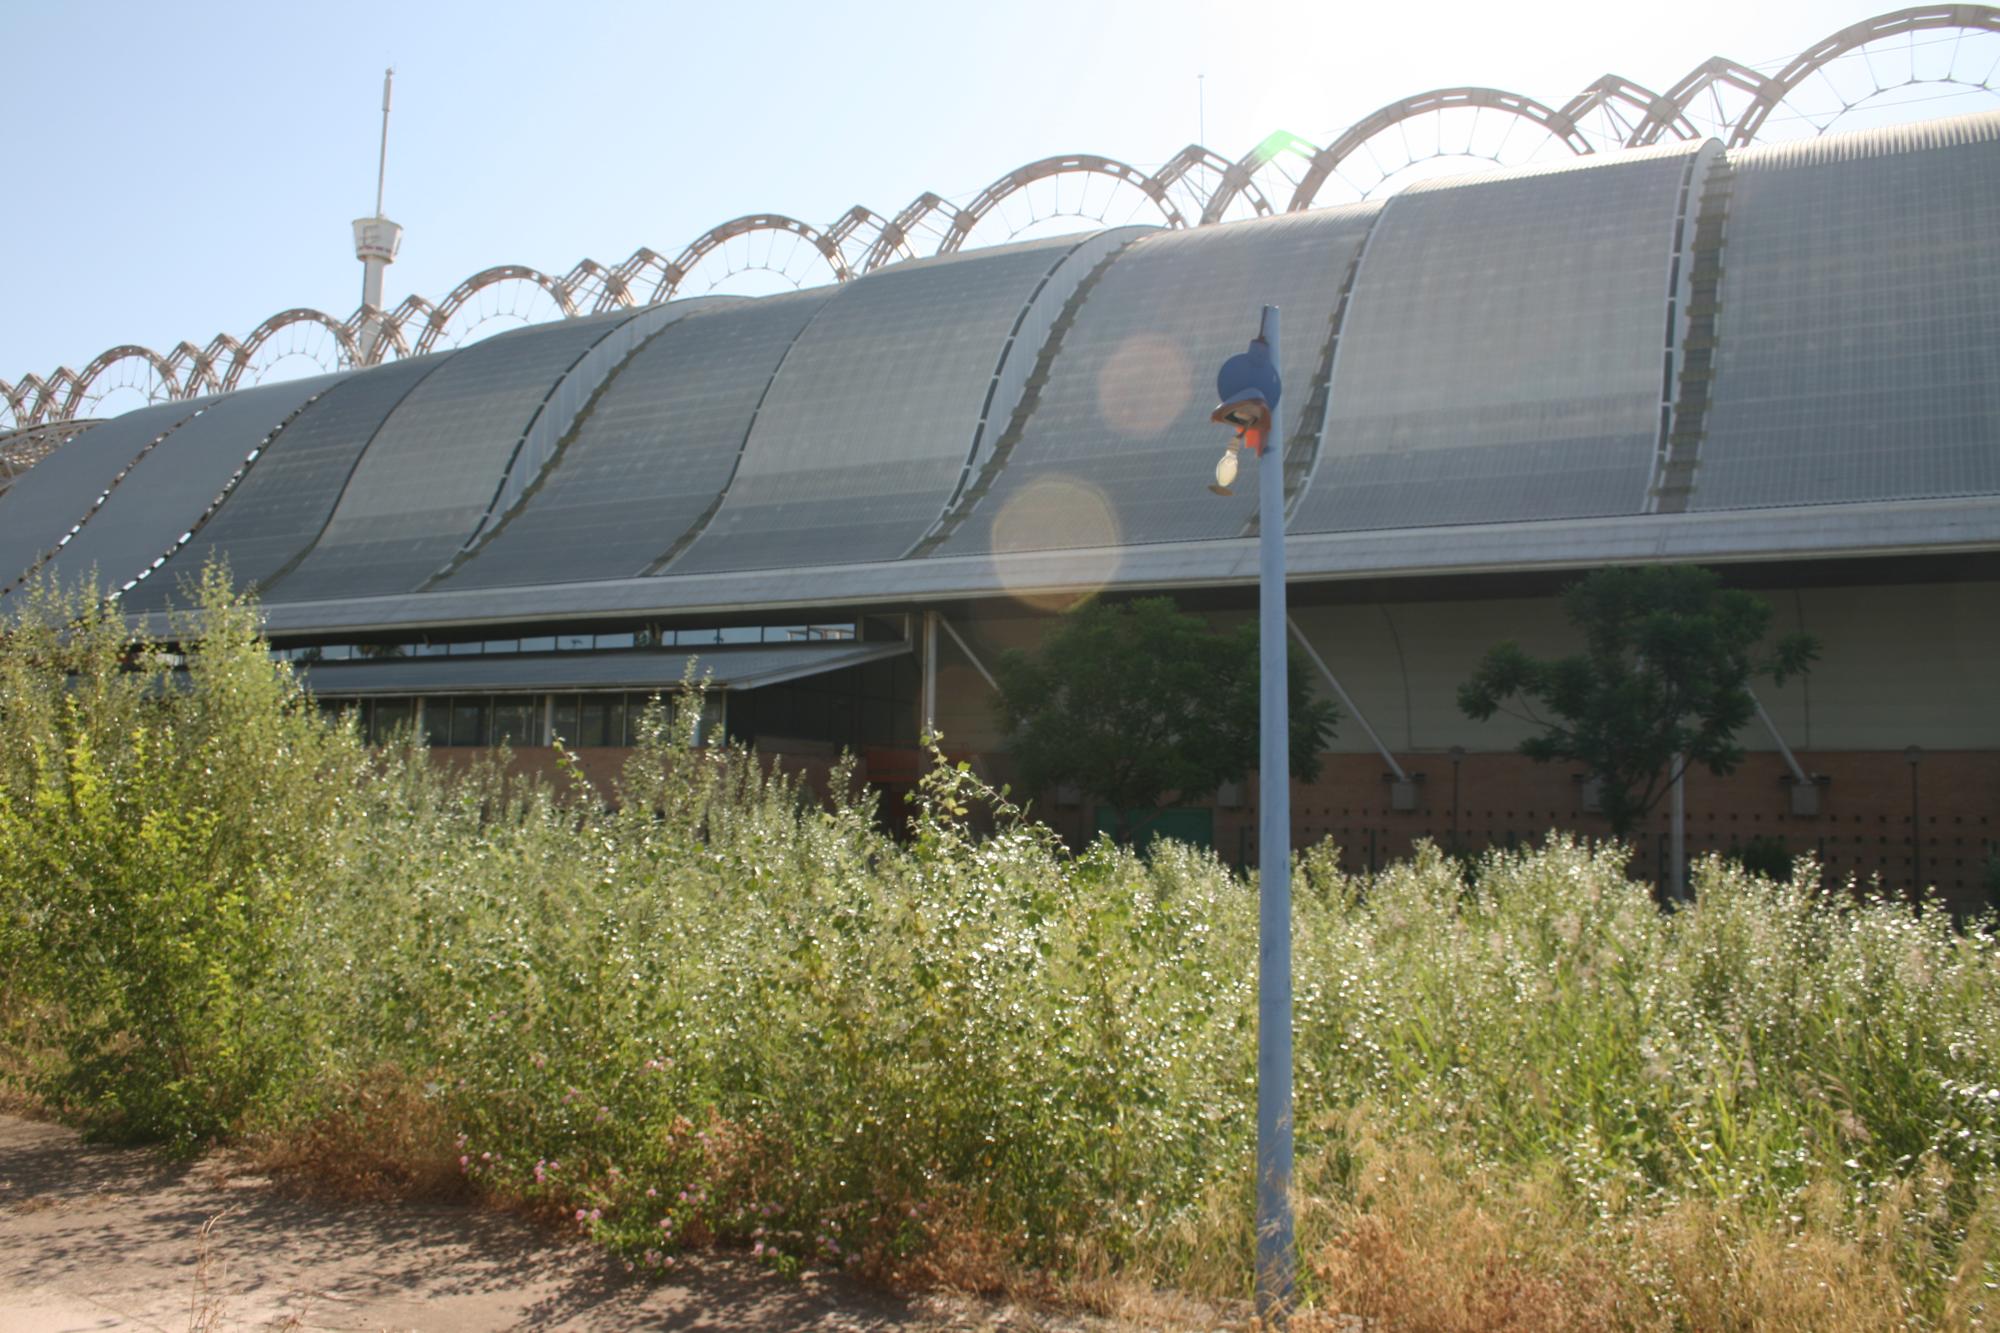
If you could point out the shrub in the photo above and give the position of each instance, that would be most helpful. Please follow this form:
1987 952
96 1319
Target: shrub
721 1012
156 824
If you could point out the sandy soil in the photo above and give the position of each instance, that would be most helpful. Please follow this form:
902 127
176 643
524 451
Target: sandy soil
106 1238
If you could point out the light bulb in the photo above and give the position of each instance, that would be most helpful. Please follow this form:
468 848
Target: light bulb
1225 469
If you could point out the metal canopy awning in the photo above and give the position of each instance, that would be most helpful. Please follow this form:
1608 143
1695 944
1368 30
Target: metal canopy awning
732 668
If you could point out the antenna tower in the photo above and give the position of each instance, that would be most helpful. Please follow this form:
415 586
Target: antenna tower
376 240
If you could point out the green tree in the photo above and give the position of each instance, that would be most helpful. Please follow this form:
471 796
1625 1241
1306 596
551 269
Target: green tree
1665 673
1137 703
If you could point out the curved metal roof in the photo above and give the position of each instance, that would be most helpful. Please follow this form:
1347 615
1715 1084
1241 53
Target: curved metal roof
1525 369
1859 329
886 400
1118 444
1909 55
436 468
148 510
1503 355
283 502
654 453
53 499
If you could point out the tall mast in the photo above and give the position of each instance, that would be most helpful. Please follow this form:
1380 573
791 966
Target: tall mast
376 240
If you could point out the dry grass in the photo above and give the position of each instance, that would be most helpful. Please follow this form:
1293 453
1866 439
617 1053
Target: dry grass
1418 1241
207 1304
380 1139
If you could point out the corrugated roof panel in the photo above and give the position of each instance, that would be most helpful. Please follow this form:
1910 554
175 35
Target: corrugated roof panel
1118 447
432 473
168 490
654 453
869 425
1859 330
59 492
1503 356
275 513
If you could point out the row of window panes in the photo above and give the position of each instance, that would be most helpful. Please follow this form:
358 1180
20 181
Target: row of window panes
516 720
570 643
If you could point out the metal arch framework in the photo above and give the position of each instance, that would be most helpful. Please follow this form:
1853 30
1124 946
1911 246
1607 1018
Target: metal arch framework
1970 18
81 385
1049 168
1631 107
1713 73
1240 177
243 356
674 274
440 317
1328 159
1196 187
895 239
859 232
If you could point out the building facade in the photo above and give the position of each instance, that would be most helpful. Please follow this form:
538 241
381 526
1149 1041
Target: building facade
835 505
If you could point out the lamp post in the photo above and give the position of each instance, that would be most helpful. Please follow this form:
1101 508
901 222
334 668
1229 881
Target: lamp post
1248 386
1913 756
1457 755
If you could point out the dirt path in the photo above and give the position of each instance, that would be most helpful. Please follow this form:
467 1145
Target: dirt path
104 1238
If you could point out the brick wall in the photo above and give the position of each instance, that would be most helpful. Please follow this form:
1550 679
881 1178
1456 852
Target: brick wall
1863 828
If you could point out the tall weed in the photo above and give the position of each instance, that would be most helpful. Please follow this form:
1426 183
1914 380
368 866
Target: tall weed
715 1008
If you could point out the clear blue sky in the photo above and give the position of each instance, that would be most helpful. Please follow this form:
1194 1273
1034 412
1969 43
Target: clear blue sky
182 170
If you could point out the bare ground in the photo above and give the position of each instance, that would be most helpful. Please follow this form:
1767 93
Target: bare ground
111 1238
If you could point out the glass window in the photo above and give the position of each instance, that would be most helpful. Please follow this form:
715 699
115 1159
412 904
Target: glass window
388 717
601 720
503 645
563 720
468 721
336 652
517 722
573 643
544 643
432 649
468 649
623 640
437 721
740 634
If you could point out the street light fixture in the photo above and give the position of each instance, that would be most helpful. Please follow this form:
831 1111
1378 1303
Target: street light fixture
1914 755
1248 386
1457 756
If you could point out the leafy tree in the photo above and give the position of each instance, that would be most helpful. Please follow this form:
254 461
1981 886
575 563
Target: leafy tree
1667 662
1136 702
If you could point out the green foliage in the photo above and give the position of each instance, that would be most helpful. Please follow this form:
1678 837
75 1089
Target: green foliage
725 1012
1668 657
155 825
1136 702
1766 856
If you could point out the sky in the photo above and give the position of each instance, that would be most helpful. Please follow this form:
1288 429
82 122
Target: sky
181 171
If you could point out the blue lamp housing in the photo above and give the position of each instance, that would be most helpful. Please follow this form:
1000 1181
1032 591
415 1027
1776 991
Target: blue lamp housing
1249 377
1248 386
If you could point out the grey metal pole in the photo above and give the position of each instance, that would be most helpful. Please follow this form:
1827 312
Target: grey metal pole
1677 839
1275 1251
930 673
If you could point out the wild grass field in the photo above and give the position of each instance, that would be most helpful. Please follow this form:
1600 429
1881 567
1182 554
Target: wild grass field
723 1012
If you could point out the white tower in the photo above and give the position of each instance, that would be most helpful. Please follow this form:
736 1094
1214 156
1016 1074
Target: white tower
376 240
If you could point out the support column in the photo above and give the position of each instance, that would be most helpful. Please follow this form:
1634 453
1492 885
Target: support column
930 673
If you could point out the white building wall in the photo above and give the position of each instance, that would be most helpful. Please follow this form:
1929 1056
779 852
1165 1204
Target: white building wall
1899 665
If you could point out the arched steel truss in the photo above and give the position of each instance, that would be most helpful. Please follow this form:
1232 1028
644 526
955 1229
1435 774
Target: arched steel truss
1196 187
